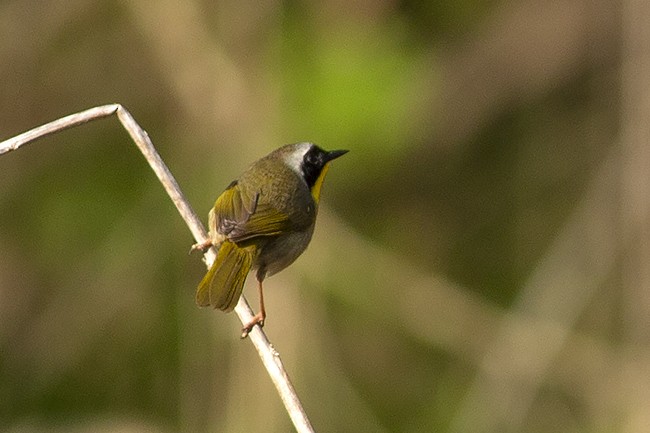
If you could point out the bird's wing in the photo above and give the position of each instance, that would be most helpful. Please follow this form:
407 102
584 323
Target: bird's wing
240 216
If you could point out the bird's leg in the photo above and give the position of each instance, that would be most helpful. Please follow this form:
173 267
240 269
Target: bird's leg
258 319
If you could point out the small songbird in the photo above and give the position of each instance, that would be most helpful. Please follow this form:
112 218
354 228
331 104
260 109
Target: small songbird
263 220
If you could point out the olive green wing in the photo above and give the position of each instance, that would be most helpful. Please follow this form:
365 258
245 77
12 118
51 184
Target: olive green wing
240 216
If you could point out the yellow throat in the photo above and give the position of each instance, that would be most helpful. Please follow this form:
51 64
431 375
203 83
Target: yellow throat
315 190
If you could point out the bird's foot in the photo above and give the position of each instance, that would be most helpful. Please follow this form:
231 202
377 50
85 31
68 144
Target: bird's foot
258 319
202 246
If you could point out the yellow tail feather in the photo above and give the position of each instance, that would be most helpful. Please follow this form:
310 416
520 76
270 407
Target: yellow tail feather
224 282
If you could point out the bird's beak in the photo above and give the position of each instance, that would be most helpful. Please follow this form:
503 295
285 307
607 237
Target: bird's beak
334 154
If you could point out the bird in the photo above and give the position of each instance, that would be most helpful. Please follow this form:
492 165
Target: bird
263 221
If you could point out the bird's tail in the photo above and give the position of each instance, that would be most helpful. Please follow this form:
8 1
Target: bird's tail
222 285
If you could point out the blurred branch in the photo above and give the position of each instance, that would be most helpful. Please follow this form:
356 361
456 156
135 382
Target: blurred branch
635 206
524 50
529 348
562 285
189 52
269 356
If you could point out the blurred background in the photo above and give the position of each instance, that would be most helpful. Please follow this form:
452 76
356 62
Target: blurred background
481 262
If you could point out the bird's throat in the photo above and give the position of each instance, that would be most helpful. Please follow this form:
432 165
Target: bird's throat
315 190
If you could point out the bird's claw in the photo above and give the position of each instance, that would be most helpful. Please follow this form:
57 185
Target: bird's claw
202 246
258 319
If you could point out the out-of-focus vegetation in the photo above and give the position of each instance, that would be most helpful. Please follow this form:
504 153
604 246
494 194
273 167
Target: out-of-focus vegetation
481 258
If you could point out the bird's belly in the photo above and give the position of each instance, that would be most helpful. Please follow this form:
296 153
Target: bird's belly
282 251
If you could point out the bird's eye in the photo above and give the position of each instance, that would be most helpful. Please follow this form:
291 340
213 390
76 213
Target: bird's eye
313 157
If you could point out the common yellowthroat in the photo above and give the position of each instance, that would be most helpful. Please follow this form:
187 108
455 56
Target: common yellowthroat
263 220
